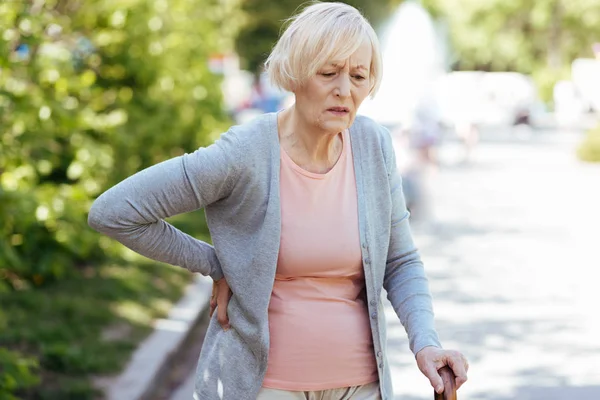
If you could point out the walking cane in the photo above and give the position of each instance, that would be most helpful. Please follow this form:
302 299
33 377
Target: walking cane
449 380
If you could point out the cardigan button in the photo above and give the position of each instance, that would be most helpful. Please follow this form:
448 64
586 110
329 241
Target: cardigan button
374 315
367 260
373 303
378 354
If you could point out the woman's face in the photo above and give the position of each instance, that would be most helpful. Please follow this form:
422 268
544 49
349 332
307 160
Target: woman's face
329 100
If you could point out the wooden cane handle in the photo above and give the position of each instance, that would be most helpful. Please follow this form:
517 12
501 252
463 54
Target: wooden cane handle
449 385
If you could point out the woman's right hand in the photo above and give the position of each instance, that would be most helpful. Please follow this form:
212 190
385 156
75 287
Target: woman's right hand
221 293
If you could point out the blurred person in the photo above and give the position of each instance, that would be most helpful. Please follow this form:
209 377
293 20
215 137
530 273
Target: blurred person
468 133
261 99
309 224
264 96
409 170
424 135
426 131
466 124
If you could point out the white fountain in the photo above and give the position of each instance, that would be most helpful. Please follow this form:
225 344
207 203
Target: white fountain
414 57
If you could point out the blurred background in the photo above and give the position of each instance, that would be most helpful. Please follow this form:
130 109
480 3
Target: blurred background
494 108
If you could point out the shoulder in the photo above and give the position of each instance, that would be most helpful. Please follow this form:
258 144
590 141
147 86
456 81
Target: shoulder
248 147
243 143
373 134
255 134
371 129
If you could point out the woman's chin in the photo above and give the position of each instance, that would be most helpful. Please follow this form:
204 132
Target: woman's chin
335 126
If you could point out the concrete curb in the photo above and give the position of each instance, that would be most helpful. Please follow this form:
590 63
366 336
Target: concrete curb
148 361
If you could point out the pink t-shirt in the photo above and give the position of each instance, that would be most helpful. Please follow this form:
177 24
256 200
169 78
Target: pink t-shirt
318 319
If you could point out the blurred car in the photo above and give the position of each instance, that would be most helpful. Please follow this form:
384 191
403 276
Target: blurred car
493 99
585 74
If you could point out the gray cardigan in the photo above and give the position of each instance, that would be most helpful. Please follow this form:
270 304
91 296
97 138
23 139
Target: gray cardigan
236 180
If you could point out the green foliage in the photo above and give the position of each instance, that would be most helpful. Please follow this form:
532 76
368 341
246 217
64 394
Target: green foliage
541 38
90 93
17 372
589 150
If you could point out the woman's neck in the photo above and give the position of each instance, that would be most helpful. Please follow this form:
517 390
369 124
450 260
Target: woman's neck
311 148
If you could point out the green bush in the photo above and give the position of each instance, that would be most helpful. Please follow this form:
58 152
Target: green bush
17 372
589 149
92 92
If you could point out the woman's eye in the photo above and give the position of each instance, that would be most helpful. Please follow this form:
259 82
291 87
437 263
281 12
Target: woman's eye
359 77
328 73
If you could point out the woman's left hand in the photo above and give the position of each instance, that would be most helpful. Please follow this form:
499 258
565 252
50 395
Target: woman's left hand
430 359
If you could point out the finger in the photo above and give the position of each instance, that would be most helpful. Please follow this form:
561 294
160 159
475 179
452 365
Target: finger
434 378
213 306
459 367
222 302
222 316
213 300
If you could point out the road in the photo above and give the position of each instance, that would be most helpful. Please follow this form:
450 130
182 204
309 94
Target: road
511 248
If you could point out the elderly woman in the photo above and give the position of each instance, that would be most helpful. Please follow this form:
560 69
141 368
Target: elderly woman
309 224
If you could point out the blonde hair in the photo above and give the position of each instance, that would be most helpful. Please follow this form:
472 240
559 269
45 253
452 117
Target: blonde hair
320 33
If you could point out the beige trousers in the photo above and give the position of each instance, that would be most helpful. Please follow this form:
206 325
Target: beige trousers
369 391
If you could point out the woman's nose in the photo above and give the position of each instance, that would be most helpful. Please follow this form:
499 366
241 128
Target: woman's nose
343 85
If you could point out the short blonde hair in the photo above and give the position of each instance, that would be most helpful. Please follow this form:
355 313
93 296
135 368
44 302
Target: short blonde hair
320 33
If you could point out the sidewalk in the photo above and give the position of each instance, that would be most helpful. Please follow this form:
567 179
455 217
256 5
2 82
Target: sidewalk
512 253
154 354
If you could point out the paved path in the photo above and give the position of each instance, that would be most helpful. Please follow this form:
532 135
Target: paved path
513 255
186 390
512 252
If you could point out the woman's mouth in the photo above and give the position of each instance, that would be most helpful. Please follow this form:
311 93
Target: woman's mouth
339 111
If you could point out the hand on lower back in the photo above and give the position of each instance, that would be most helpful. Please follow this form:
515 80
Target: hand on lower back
221 293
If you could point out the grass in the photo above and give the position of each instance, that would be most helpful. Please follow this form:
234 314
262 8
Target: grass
89 325
589 150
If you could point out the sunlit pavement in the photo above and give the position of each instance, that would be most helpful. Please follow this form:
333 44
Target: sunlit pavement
512 251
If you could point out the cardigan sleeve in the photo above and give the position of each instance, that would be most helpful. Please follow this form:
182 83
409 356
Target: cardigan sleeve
133 211
405 280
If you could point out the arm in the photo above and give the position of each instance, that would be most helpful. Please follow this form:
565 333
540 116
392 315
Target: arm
408 289
133 211
405 280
